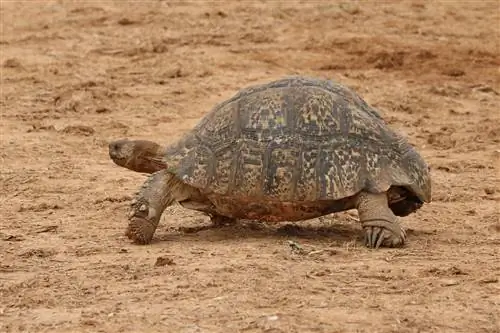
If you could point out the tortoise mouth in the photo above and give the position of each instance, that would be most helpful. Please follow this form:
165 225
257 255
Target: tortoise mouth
121 161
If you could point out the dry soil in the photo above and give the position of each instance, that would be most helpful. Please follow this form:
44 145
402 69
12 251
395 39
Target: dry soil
77 74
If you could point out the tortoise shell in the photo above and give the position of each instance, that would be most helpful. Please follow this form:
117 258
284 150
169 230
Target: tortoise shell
296 139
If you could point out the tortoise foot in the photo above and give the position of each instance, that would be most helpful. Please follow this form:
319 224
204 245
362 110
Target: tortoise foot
140 230
383 233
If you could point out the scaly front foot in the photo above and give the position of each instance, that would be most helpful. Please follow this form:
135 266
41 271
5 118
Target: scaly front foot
383 233
380 225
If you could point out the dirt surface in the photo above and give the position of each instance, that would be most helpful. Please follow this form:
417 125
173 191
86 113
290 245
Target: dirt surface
77 74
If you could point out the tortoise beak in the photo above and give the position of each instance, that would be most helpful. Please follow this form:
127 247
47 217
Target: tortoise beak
115 149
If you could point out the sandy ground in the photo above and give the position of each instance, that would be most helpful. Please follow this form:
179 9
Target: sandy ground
76 74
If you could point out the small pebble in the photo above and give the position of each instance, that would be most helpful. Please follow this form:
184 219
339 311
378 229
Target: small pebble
489 280
489 190
164 261
449 283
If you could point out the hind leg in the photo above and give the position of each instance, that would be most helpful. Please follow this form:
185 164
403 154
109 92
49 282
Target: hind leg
160 190
220 220
205 206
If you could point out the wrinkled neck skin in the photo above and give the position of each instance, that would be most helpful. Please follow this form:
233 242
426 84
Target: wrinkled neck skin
143 163
139 155
148 159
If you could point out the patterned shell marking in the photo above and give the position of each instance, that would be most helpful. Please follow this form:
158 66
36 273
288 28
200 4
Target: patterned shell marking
296 139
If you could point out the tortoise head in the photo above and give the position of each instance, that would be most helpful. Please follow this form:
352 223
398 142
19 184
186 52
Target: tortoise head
137 155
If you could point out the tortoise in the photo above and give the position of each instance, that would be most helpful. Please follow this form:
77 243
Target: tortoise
292 149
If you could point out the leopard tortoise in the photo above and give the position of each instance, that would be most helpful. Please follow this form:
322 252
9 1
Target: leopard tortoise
292 149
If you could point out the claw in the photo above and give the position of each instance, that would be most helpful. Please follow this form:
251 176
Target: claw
381 238
376 237
368 237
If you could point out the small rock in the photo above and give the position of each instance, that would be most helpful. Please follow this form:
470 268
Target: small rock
449 282
159 48
489 190
11 238
350 9
39 207
456 271
78 130
102 110
296 247
488 280
164 261
126 21
331 67
221 13
48 228
12 63
39 253
455 72
471 212
88 322
39 127
174 73
486 89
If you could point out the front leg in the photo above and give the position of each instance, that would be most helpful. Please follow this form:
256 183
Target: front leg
380 225
160 190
